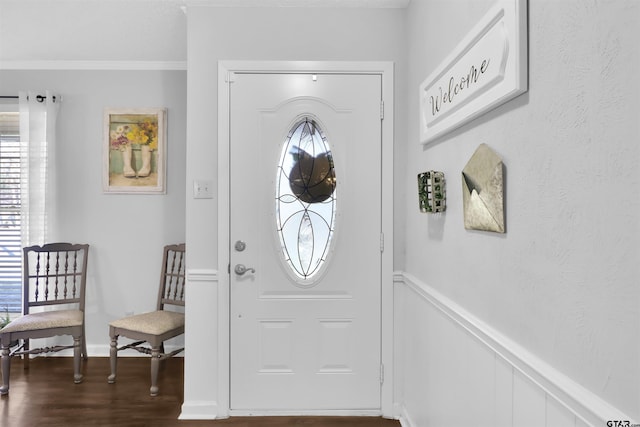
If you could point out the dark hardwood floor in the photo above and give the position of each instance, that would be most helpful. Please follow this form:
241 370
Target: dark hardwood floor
45 395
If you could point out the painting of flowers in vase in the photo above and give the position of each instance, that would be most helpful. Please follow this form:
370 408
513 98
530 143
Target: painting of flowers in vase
134 150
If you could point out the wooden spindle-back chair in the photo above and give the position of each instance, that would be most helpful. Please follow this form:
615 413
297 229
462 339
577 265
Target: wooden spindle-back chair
150 330
54 281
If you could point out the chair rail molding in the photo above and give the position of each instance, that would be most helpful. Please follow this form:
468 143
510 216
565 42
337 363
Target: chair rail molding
202 275
560 391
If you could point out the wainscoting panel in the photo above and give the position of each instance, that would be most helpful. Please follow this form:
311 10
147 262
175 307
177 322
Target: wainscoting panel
201 399
528 403
558 416
504 393
454 370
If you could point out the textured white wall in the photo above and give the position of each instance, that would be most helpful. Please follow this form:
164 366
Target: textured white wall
563 281
126 232
268 34
92 30
215 34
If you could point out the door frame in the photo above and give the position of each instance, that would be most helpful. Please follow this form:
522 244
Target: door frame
225 73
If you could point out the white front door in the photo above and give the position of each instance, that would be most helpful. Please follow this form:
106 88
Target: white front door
305 244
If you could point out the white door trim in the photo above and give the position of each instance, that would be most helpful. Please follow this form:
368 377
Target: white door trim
225 69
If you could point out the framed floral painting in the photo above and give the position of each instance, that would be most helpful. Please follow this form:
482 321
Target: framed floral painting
134 150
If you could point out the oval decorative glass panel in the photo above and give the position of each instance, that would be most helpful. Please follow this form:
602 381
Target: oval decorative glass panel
305 200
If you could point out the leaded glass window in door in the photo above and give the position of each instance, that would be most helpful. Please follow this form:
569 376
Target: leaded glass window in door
305 200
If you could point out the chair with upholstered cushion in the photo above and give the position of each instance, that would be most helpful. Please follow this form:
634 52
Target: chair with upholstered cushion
150 330
54 281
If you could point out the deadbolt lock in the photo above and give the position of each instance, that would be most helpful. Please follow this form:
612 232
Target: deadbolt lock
240 246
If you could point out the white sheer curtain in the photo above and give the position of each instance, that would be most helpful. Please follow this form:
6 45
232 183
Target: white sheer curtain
38 115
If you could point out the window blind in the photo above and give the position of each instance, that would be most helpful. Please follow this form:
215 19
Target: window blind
10 221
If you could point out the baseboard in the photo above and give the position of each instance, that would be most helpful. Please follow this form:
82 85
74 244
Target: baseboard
403 417
315 413
584 404
199 410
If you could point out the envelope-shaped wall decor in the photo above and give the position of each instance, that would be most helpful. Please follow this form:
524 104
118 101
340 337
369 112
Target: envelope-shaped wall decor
482 191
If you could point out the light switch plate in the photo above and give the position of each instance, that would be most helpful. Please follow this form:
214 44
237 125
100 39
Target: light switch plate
202 189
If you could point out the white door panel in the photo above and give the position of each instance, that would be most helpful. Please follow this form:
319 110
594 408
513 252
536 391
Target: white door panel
295 345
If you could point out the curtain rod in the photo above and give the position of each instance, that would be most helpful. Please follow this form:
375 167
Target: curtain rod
39 98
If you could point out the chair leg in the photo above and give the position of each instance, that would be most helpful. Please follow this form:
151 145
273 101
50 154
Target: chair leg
85 355
113 359
6 369
77 349
155 364
161 354
25 357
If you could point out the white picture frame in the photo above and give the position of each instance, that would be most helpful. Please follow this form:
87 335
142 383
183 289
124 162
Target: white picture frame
486 69
134 151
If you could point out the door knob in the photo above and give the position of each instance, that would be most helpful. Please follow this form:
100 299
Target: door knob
240 269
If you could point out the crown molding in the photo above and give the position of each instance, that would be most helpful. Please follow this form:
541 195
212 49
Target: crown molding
373 4
95 65
389 4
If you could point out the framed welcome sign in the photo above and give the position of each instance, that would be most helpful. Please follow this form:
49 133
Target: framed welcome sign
486 69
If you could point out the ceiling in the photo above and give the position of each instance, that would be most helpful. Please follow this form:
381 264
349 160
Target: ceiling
107 28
